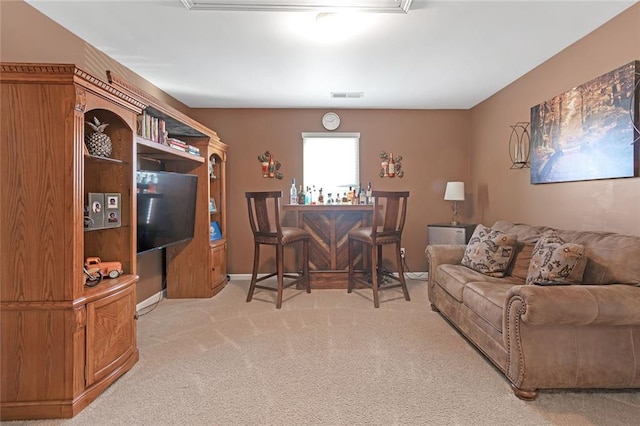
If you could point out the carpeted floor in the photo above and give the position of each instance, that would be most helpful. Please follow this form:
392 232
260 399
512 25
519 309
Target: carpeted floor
325 358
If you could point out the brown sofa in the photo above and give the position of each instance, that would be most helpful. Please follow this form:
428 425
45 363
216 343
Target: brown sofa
545 337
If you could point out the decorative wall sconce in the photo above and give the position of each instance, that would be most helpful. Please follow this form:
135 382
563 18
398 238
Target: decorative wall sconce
270 167
390 166
519 142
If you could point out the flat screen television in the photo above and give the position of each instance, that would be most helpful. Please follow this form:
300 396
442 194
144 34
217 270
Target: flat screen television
166 208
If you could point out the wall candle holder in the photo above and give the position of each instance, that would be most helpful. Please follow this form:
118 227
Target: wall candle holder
519 143
391 165
270 167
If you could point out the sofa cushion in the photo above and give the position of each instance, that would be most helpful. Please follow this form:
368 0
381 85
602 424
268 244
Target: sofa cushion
521 259
554 260
453 278
487 300
611 258
489 251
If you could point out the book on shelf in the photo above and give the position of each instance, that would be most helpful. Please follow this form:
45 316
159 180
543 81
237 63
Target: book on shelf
214 231
177 142
151 128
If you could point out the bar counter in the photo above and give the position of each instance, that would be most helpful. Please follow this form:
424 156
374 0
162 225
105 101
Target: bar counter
329 226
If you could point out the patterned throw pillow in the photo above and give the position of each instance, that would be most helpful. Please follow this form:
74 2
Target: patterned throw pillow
554 260
489 251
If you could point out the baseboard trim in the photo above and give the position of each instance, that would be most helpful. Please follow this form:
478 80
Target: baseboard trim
419 276
151 300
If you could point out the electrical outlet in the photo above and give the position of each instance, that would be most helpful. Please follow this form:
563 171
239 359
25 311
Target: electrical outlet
402 252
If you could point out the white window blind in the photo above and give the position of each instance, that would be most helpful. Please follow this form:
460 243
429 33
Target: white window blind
331 161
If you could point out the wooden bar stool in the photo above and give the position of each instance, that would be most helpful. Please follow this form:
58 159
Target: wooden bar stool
264 217
389 213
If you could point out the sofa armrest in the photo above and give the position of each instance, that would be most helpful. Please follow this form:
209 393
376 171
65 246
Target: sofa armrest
580 305
442 254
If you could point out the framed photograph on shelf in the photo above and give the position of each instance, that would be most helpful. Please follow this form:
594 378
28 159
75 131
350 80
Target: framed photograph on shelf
212 205
96 207
214 231
112 210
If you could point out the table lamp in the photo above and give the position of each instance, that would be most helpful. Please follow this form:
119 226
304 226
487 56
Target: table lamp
455 193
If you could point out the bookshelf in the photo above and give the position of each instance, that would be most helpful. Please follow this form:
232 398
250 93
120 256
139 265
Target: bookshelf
197 268
63 342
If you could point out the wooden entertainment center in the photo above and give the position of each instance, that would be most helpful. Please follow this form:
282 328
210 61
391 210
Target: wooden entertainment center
63 342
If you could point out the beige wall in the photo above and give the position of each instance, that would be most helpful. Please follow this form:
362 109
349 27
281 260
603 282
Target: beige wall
437 145
26 35
434 145
611 204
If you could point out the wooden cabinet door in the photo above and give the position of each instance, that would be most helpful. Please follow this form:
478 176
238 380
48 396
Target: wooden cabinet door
111 333
218 264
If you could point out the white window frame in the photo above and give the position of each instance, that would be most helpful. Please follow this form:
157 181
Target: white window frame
330 164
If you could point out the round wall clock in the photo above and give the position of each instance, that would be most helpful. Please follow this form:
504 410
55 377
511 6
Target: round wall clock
330 121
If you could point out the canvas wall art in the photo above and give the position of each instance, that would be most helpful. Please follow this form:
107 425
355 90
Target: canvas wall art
589 132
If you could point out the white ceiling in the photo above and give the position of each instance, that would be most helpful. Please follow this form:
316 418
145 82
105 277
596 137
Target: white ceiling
447 54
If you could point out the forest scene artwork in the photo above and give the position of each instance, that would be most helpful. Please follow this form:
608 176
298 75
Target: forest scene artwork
589 132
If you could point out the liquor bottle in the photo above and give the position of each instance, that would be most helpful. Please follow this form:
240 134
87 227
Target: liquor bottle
392 166
362 197
320 197
301 196
307 196
354 197
314 195
350 196
368 194
293 192
345 200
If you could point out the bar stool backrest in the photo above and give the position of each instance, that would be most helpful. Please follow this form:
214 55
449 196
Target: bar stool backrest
264 213
389 213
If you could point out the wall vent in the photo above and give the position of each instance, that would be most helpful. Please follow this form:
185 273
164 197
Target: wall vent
347 95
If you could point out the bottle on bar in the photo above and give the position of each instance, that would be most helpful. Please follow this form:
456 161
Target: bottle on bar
293 192
362 199
320 197
301 196
307 196
368 194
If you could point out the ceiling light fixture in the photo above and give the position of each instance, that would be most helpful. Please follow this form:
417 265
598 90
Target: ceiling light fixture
382 6
347 95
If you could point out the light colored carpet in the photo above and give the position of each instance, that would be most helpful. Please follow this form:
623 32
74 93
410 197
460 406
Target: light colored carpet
325 358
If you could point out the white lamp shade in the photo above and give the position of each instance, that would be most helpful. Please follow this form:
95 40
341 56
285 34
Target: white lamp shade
454 191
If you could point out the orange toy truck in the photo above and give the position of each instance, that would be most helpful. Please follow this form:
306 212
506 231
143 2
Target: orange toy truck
107 269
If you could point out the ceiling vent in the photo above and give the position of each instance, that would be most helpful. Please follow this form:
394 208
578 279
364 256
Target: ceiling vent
383 6
347 95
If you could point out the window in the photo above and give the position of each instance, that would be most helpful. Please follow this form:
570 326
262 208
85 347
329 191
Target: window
331 161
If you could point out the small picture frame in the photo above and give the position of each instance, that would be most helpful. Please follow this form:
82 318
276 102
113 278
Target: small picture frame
212 205
112 201
96 210
112 210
